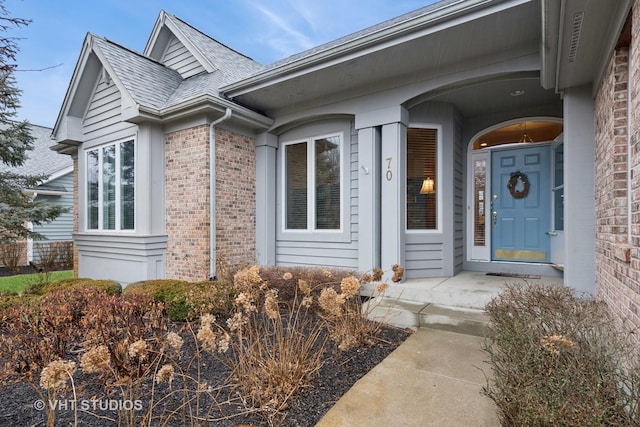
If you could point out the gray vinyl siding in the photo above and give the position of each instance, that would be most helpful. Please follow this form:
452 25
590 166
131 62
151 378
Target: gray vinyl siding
440 253
316 250
61 228
354 187
458 178
103 111
423 255
178 57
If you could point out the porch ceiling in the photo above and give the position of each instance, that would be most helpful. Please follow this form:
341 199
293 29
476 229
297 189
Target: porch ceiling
490 33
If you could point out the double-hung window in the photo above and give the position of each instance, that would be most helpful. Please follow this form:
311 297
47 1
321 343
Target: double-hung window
111 187
313 184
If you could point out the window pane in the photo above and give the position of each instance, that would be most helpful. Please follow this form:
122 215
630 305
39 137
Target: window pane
127 187
559 209
558 177
422 200
327 180
93 202
109 187
479 185
558 191
296 183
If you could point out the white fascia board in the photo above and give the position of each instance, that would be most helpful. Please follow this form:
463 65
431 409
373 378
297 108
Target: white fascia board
550 17
127 99
35 192
204 103
624 6
189 45
448 16
58 174
155 33
73 84
165 20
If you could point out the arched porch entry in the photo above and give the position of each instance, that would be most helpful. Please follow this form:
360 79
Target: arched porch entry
515 193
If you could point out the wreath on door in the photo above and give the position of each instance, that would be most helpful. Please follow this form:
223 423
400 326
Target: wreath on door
513 183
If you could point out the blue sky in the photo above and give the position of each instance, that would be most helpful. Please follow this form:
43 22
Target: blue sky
266 31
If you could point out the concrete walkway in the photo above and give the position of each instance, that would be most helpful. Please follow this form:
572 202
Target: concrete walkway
436 376
433 379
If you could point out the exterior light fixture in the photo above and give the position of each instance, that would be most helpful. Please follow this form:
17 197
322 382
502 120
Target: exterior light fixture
525 138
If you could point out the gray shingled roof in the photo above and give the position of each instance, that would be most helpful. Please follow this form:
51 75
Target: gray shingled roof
41 160
155 85
233 65
148 82
201 84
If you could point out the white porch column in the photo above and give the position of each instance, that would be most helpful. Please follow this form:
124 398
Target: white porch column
266 145
393 221
369 198
579 181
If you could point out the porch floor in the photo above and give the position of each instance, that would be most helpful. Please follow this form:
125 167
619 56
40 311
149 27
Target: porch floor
449 303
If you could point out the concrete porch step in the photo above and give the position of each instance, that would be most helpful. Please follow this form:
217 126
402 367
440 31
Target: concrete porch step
413 315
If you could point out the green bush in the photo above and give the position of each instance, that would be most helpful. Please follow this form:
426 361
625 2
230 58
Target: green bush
558 359
35 292
10 299
187 300
109 286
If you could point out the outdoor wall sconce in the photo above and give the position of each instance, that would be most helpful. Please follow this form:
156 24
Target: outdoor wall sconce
427 186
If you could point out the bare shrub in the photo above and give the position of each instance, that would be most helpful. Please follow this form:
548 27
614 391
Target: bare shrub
34 334
65 254
558 360
11 255
48 255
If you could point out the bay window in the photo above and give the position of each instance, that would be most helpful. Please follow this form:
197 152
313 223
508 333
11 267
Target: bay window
313 184
110 172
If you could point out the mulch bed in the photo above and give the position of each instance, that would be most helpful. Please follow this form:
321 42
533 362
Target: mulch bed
338 373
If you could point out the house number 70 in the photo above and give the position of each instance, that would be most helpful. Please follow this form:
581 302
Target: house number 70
389 174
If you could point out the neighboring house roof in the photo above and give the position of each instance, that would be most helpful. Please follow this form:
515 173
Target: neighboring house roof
42 160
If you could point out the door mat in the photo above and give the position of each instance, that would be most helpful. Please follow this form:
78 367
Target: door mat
516 275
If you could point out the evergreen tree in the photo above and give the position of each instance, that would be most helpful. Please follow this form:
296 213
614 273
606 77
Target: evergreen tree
16 207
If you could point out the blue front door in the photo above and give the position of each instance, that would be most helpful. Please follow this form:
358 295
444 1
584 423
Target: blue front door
520 204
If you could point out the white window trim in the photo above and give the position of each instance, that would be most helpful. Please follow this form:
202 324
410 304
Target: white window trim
439 174
311 195
99 149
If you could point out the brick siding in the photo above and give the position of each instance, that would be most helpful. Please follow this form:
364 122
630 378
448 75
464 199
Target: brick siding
187 202
617 173
236 201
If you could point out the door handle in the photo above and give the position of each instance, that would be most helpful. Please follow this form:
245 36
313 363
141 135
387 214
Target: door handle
495 218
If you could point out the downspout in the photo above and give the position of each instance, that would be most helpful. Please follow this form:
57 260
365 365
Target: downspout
212 192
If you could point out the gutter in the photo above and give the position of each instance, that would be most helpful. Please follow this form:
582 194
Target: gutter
212 193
